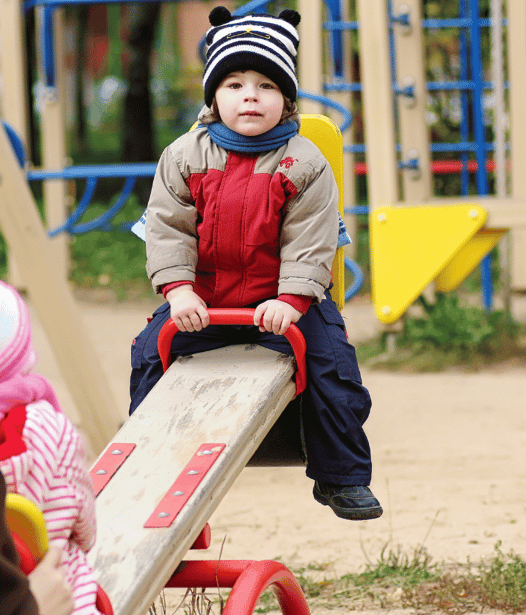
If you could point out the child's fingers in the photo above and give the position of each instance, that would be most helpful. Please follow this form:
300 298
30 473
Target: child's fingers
258 313
52 557
203 315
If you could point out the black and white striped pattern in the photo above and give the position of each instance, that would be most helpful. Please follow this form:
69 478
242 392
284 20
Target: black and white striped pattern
262 43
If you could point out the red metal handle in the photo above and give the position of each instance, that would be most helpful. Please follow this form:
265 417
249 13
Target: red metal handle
237 316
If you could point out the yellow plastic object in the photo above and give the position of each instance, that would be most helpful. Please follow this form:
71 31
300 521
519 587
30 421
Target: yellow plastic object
26 520
410 246
468 258
324 133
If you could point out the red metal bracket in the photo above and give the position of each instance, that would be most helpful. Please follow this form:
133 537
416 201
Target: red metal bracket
112 459
186 483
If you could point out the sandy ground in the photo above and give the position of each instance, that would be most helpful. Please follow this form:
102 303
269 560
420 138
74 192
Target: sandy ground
449 456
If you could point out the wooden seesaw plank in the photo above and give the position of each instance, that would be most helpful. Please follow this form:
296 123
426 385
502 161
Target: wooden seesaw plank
231 396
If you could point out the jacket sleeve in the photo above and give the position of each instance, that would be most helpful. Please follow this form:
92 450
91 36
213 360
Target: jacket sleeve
310 233
73 465
171 218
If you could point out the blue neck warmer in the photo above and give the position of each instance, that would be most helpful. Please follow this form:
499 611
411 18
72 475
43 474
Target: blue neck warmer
232 141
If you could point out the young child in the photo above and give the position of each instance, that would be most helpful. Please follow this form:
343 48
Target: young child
243 213
42 456
44 591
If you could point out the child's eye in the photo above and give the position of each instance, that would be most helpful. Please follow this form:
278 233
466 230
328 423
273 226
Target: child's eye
267 86
234 85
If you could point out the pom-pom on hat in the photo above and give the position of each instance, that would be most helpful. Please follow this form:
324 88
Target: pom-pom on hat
259 42
16 352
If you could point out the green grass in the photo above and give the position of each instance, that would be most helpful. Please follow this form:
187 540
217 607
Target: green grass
401 580
448 333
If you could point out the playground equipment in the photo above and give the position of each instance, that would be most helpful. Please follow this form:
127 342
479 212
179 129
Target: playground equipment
213 410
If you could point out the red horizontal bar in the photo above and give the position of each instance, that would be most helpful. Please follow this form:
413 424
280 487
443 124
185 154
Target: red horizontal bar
439 167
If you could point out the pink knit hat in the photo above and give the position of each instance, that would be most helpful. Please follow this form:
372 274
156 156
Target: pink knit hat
16 352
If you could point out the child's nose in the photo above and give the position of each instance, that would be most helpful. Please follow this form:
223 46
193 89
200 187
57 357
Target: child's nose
251 94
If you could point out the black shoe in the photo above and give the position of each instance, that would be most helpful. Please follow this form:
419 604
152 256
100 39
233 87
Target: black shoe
354 502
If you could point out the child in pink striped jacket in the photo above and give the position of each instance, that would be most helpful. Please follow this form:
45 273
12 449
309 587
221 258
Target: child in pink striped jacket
42 456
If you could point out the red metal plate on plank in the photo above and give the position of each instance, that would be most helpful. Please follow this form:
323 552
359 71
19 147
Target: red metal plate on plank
187 482
112 459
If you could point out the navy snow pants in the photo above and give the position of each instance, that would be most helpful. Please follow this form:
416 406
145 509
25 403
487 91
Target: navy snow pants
335 404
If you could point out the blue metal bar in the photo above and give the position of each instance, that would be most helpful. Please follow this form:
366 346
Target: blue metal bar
16 143
102 222
357 283
334 8
460 22
432 86
464 84
357 210
480 135
354 149
463 146
79 210
347 115
478 112
256 6
48 47
84 172
340 25
29 4
464 103
342 87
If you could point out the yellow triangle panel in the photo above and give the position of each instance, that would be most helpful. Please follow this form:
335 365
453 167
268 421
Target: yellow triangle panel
468 258
410 246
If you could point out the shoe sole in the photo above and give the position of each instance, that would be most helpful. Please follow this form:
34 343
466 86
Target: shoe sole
351 514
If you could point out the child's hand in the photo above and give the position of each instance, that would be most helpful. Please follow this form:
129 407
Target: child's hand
48 585
187 309
275 316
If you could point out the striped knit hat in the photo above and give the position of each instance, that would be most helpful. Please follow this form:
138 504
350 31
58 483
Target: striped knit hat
257 42
16 352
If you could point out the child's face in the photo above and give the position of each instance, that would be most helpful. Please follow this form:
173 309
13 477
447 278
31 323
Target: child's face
249 103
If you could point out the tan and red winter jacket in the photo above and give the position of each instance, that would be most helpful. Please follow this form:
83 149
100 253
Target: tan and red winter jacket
242 228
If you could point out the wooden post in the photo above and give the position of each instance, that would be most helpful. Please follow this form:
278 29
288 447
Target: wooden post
310 54
13 99
54 146
13 106
414 133
345 100
379 124
49 291
516 19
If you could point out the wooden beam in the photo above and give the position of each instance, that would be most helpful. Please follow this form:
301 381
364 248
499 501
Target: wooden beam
310 53
414 131
53 139
27 239
516 20
377 97
502 213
